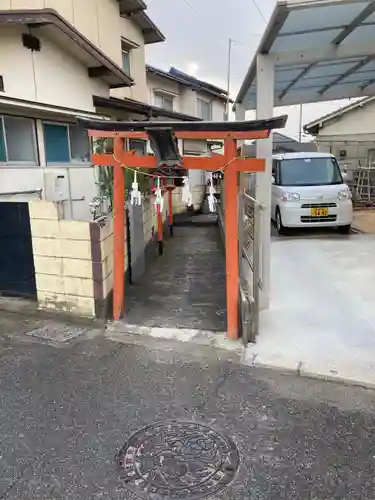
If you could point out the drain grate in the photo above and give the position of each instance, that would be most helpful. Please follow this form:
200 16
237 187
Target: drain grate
56 332
178 460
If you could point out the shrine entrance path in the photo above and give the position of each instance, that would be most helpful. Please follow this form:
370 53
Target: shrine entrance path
184 288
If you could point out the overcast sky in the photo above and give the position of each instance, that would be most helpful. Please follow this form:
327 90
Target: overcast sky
197 33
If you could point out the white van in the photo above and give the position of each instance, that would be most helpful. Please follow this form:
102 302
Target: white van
308 190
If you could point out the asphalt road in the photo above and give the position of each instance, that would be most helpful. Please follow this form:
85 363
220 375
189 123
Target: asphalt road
67 409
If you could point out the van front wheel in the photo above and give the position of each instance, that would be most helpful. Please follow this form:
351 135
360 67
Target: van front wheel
279 223
345 229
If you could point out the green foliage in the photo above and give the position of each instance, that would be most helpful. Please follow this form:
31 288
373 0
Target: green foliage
104 175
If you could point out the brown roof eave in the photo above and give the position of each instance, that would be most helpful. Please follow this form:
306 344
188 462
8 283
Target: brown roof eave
169 76
312 129
150 31
131 6
41 17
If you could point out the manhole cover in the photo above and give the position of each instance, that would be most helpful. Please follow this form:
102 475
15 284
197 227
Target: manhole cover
178 460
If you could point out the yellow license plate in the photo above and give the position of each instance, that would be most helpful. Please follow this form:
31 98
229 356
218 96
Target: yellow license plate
319 212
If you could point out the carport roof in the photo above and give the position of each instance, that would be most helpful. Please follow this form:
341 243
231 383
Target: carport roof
322 49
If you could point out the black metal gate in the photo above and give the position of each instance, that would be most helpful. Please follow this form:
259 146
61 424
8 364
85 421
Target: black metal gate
17 274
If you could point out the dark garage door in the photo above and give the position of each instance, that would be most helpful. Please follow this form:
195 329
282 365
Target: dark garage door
17 275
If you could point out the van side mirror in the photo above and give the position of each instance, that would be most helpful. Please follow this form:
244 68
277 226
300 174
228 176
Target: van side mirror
273 180
344 175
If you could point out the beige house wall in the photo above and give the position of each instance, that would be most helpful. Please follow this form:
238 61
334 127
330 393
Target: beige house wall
352 131
131 32
157 83
359 121
186 101
31 79
97 20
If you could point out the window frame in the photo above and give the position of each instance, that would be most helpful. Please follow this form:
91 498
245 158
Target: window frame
127 46
164 95
277 172
72 162
127 52
26 163
209 103
132 146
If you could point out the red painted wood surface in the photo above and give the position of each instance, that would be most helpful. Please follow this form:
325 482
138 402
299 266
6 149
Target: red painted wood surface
231 240
118 235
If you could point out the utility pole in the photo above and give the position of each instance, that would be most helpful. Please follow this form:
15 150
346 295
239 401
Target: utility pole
230 42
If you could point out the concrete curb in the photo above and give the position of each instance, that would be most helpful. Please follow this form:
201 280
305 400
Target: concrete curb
355 230
217 340
122 332
302 371
28 308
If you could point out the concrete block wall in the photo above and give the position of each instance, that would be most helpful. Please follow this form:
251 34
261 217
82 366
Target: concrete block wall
150 220
103 267
62 260
74 259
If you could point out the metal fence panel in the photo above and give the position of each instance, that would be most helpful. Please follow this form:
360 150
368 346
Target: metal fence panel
250 258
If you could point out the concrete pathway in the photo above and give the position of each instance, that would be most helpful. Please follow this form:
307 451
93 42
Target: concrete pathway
322 315
185 288
67 411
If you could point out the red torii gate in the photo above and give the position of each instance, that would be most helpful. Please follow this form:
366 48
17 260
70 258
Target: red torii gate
230 163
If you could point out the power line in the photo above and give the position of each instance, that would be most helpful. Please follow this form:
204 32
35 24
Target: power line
259 11
189 4
185 1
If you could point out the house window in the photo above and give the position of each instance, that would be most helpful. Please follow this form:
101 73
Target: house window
17 140
204 110
126 47
65 143
164 101
126 60
139 146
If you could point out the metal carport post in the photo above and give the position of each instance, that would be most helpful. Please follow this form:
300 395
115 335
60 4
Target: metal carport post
311 51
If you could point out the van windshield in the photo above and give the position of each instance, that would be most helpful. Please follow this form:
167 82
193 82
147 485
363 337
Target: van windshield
310 172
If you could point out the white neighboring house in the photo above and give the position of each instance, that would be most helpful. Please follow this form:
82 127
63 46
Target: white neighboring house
176 91
348 133
56 64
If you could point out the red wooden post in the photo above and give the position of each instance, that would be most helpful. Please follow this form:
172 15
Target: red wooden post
231 237
119 233
170 210
160 229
